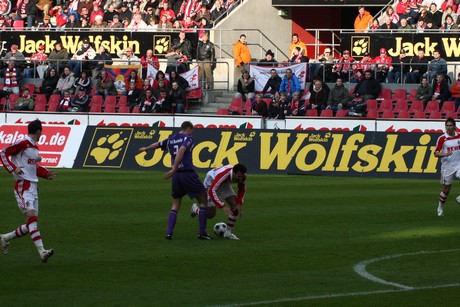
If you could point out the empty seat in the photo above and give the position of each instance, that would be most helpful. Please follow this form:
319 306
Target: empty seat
30 87
453 115
96 100
385 93
448 106
312 112
222 111
95 108
341 113
435 115
432 106
372 114
18 24
404 114
416 106
400 106
388 114
327 113
419 114
110 101
109 108
123 101
371 105
385 105
123 109
400 93
413 94
54 99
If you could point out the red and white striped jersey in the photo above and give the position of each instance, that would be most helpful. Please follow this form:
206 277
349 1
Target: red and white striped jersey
446 143
23 153
219 176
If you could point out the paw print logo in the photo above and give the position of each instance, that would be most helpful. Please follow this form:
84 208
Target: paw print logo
108 147
360 45
162 44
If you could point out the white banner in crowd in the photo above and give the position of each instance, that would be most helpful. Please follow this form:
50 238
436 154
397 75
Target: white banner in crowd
191 76
262 74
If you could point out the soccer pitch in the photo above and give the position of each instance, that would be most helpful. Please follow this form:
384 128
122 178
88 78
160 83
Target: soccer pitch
304 241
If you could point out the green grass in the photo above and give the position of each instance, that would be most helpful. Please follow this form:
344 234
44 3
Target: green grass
300 236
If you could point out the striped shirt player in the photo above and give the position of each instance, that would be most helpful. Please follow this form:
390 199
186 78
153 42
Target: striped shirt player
218 184
448 149
185 180
21 159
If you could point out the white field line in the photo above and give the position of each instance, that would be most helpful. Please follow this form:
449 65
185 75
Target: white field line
360 269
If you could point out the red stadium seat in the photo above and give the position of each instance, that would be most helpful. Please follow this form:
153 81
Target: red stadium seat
341 113
416 106
52 105
432 106
400 106
412 94
453 115
96 100
30 87
267 101
419 114
18 24
95 108
109 108
222 111
311 112
385 105
123 101
136 110
13 98
400 94
404 114
385 93
110 101
195 94
388 114
371 105
448 106
41 98
435 115
123 109
372 114
327 113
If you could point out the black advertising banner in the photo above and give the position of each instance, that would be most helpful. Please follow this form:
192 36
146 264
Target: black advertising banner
28 42
359 43
376 154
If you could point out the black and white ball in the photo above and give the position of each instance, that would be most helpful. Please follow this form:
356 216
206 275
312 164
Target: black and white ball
220 229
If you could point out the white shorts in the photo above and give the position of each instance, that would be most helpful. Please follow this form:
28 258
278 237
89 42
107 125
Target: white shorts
223 192
26 193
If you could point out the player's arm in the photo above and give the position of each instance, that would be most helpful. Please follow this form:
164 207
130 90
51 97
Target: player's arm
12 151
439 154
151 146
43 172
177 162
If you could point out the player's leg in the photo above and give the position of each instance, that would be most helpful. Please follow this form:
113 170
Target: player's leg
211 209
172 218
203 216
7 237
232 218
446 181
32 225
195 189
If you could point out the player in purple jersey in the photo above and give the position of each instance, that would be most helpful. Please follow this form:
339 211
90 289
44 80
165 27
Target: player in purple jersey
185 180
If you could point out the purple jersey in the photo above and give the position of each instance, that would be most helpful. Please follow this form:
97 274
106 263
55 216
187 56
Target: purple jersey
173 144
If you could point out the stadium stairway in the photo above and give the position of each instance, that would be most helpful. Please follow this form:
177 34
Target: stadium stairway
214 100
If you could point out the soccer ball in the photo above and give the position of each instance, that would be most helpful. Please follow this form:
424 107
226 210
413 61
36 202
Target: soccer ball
458 199
220 229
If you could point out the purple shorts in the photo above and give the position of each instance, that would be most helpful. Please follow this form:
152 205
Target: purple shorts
187 182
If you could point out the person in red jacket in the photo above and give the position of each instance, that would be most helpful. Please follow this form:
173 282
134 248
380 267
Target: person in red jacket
455 92
21 159
382 65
